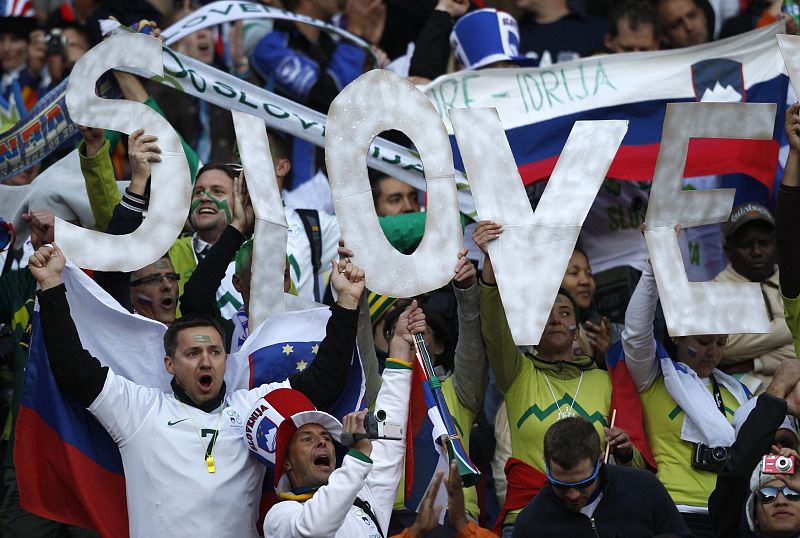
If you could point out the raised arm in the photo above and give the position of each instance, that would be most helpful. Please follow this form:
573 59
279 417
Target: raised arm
755 438
394 398
470 365
638 341
504 357
325 378
786 218
74 369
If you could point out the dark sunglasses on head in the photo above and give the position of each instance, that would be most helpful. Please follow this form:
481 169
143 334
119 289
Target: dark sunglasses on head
155 279
768 494
581 484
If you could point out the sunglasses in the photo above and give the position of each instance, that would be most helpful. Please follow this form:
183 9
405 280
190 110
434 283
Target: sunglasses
581 484
155 279
768 494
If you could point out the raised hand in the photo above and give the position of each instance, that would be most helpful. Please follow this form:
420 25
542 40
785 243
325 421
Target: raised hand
94 137
142 150
466 275
784 385
409 323
348 281
243 216
428 516
456 511
42 225
486 231
792 125
455 8
599 336
46 265
366 18
354 423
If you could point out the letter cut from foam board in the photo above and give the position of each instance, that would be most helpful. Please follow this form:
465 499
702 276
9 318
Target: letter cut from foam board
170 184
271 230
379 101
700 307
531 255
790 50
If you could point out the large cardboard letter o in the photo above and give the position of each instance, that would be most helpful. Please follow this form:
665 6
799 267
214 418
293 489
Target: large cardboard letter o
170 184
378 101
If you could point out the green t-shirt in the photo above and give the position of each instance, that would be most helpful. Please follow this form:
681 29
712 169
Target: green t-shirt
791 308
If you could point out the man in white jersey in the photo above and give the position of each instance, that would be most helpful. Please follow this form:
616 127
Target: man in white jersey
188 472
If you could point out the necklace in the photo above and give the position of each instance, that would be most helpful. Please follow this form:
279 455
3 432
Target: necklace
563 414
208 450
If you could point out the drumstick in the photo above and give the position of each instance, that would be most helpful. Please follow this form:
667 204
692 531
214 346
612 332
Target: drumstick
608 446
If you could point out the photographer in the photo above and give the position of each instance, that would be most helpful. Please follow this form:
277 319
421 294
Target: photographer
65 45
319 499
771 499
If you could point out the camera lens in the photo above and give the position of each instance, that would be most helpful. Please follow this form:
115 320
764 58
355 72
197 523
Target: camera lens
380 415
719 454
783 464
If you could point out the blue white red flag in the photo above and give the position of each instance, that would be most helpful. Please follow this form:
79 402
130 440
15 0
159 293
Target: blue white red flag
68 467
538 106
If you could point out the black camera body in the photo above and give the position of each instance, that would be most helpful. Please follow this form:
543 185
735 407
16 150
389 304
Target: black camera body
707 458
56 42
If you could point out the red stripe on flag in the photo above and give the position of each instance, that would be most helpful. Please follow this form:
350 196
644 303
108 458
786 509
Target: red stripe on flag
625 399
417 413
707 156
62 483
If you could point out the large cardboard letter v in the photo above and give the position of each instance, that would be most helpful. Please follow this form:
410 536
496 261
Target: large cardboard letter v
531 256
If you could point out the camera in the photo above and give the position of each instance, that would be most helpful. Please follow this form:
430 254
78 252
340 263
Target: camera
56 42
707 458
377 428
776 464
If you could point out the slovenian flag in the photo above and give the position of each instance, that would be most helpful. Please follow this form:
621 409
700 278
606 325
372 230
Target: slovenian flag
68 467
538 106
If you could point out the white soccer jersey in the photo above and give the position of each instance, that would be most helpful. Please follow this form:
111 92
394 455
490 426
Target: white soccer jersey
163 441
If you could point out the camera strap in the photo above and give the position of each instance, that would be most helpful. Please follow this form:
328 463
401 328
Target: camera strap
364 505
717 395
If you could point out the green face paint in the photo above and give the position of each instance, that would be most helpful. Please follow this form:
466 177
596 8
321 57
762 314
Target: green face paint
202 338
161 264
222 205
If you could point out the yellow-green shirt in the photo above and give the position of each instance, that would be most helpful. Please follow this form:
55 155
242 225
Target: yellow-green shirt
791 308
663 420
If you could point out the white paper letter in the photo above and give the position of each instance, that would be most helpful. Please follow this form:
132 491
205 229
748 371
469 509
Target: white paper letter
378 101
271 230
700 307
170 185
531 256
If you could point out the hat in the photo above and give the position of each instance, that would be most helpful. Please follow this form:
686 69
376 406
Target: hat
272 422
17 17
748 212
486 36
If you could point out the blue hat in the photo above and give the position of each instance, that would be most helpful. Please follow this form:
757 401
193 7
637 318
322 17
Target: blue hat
486 36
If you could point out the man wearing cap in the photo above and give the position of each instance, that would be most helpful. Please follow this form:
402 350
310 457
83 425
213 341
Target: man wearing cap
356 499
750 247
187 468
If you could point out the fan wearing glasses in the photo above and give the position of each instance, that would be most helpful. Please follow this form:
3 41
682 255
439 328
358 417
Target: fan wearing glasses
586 497
154 291
767 490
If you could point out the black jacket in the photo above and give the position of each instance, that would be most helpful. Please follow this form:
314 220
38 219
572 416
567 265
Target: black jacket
634 504
755 438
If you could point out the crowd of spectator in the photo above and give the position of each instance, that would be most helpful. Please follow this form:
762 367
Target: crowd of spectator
539 423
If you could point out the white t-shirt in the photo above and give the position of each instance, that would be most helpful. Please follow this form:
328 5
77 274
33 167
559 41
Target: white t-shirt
169 489
298 249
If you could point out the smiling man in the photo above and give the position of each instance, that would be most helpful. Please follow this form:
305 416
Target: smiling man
187 469
750 247
586 497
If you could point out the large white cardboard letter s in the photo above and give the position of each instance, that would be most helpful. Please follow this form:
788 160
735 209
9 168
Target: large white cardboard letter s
531 256
700 307
170 184
378 101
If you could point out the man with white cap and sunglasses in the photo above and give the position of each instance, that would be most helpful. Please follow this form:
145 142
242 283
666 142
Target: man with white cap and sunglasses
317 498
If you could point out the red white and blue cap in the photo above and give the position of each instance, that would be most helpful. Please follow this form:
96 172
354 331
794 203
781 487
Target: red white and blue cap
272 422
486 36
